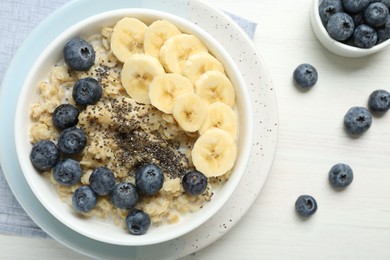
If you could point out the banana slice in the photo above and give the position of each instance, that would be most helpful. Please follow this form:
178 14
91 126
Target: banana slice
219 115
214 86
214 152
128 38
199 63
189 111
165 88
156 34
175 51
138 72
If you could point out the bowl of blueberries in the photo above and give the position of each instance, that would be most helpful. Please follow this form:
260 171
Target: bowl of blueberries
352 28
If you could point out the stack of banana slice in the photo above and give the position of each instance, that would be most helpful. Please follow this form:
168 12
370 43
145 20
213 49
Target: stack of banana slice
175 72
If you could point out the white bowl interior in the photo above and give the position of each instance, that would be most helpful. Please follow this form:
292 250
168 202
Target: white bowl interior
334 46
105 230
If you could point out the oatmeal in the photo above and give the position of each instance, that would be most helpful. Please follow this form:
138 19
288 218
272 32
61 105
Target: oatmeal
160 104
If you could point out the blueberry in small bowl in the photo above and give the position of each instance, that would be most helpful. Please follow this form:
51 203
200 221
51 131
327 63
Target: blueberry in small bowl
338 26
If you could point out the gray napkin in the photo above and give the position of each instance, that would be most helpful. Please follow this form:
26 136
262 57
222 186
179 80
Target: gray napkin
17 19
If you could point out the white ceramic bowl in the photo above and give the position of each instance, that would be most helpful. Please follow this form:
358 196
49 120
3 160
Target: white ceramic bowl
334 46
105 230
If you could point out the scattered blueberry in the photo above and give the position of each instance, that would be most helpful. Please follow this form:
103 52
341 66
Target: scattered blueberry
79 54
149 179
340 175
355 6
67 172
306 205
340 26
87 91
194 182
102 180
305 75
327 8
65 116
357 120
44 155
379 101
124 195
376 14
84 199
72 140
365 36
137 222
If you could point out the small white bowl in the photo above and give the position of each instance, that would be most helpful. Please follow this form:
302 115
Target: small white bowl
102 230
334 46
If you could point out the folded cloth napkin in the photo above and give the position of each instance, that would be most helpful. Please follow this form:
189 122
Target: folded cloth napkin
17 19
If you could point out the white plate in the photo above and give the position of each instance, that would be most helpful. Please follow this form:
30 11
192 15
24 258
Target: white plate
264 118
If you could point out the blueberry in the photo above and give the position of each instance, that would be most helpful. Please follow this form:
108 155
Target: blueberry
340 26
358 19
384 31
124 195
84 199
327 8
376 14
72 140
340 175
67 172
102 180
79 54
385 2
365 36
305 75
194 182
149 179
44 155
306 205
357 120
379 101
355 6
137 222
65 116
87 91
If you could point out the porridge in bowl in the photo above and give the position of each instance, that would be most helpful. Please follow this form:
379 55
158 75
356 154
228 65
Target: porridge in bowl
144 133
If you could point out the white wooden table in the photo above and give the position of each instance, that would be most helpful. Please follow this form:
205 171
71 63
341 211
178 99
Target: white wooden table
351 224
